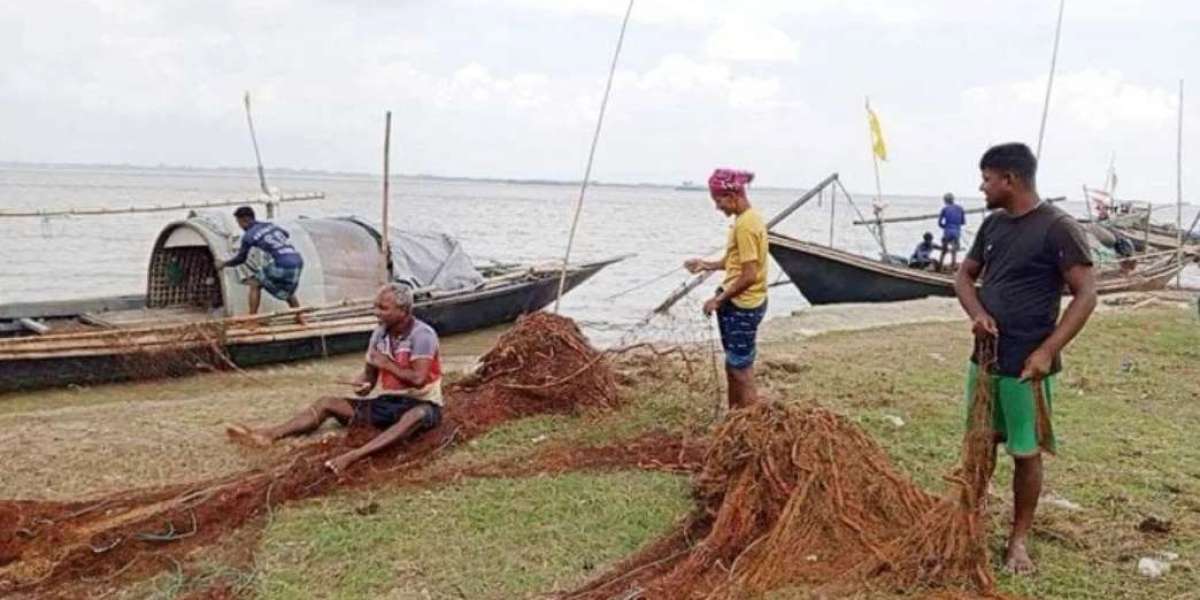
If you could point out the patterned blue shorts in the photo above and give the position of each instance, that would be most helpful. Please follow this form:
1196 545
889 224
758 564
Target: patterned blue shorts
739 328
280 282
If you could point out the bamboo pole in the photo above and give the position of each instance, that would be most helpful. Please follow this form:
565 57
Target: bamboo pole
695 282
1179 186
832 213
587 172
878 206
384 247
262 178
1050 81
101 211
1087 203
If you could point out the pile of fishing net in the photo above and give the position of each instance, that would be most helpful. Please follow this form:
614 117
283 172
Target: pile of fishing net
799 496
544 364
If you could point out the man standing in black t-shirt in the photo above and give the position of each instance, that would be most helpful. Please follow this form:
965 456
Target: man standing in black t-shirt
1025 252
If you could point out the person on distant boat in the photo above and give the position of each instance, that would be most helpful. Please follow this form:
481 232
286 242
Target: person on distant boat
402 361
922 256
281 276
951 220
1023 257
741 301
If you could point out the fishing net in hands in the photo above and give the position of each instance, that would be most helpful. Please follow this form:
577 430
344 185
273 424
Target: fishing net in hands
800 496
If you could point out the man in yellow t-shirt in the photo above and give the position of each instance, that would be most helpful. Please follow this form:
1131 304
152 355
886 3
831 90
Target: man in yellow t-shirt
741 301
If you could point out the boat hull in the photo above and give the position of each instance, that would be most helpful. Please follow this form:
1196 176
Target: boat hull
456 313
827 276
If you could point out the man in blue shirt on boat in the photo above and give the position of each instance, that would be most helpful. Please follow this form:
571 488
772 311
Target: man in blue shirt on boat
281 275
951 220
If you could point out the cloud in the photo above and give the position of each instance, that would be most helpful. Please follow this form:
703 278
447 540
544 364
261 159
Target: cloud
744 40
1090 98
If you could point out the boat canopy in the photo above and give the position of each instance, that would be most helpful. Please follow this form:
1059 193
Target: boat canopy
341 262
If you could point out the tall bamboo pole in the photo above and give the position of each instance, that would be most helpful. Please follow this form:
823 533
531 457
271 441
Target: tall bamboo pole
1050 81
262 178
587 172
1179 188
384 247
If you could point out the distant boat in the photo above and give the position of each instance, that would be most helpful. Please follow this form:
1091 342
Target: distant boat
193 318
690 186
826 275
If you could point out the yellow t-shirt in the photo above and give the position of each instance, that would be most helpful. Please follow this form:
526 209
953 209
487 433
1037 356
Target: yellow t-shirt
747 241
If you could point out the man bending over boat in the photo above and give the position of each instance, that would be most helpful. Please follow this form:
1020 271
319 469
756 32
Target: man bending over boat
402 360
741 301
281 275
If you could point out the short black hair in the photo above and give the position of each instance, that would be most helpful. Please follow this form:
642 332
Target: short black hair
244 211
1013 157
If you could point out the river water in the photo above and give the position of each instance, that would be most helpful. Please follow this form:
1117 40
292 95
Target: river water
71 257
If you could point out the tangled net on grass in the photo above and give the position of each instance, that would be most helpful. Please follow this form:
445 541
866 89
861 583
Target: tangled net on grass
800 496
544 364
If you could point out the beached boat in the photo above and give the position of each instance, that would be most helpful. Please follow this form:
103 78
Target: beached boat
194 318
826 275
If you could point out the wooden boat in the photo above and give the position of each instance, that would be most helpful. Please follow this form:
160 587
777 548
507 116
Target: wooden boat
193 318
826 275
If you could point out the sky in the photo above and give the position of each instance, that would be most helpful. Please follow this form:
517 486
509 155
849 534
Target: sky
512 88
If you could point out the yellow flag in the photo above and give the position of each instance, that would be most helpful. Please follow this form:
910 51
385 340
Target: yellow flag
877 144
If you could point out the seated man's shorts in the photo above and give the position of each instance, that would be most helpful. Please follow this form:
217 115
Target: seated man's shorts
385 410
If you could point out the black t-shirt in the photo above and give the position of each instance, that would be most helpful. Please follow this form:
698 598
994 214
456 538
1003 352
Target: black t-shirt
1023 260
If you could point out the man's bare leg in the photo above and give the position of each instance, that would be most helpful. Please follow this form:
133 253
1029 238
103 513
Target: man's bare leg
741 387
942 260
954 260
305 421
1027 487
292 302
255 297
398 431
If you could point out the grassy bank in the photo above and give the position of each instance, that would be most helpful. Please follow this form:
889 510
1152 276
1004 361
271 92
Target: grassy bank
1126 414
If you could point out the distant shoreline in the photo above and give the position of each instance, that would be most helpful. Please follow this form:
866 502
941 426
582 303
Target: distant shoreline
324 174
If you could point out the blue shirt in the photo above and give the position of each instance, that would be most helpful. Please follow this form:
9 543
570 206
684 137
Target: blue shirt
271 239
951 220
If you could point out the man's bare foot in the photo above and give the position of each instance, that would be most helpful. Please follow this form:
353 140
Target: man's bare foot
1017 561
339 464
244 435
300 320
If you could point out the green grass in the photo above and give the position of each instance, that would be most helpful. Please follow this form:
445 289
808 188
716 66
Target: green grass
1127 417
496 538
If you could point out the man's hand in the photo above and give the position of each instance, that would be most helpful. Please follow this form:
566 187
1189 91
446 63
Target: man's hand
1037 365
378 360
983 324
694 265
362 386
711 306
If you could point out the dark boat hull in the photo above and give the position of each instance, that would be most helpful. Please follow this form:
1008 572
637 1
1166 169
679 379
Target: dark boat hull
448 315
827 276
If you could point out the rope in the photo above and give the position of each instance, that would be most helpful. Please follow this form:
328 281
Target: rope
587 172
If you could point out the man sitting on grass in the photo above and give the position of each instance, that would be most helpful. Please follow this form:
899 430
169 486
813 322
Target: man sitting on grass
402 359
